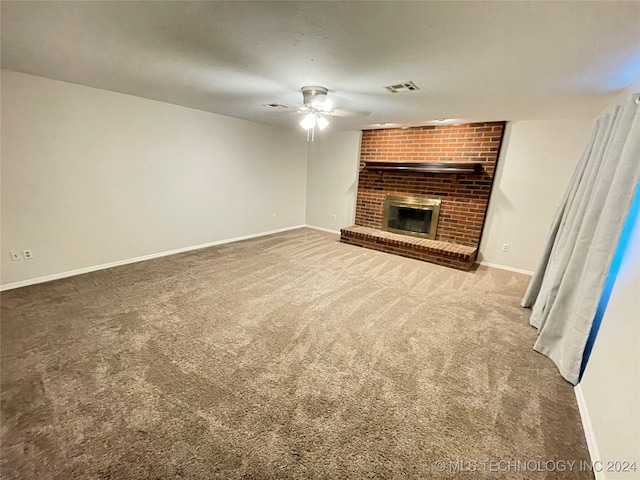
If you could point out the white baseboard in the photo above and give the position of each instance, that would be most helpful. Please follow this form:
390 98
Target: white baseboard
588 430
505 267
337 232
93 268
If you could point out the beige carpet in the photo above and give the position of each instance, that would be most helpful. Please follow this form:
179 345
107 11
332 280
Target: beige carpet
288 356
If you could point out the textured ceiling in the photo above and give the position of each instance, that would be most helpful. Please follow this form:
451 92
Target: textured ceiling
479 61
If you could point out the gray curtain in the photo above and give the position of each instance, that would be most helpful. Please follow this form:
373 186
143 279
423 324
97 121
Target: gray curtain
568 282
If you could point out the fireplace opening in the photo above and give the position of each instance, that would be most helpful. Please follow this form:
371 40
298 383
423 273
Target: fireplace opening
411 216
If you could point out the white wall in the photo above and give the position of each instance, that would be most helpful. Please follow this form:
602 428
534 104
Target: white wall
91 177
610 386
332 179
536 162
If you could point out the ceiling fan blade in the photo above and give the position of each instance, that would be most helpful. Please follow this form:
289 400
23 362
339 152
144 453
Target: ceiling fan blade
343 112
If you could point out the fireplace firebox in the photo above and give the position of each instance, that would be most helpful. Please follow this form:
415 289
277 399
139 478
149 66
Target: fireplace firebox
411 216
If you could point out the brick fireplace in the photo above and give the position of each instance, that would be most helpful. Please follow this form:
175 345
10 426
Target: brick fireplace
454 164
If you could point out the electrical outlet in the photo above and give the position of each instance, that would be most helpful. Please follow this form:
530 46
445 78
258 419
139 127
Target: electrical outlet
27 254
334 217
16 256
505 247
274 216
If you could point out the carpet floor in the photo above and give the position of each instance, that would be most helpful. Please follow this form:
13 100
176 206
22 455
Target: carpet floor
286 356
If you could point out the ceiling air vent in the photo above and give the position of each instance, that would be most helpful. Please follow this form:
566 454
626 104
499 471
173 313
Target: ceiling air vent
276 106
403 87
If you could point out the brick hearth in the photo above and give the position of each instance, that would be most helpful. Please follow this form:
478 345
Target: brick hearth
442 253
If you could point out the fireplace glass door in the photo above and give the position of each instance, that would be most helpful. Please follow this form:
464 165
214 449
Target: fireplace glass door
412 216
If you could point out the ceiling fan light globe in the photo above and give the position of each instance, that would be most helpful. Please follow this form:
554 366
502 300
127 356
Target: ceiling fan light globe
322 123
309 121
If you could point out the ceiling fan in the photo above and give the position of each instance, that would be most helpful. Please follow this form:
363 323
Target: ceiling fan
318 107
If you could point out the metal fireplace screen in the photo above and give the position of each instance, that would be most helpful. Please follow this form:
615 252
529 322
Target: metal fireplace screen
411 216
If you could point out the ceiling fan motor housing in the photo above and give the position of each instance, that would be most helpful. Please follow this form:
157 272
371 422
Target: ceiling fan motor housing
314 96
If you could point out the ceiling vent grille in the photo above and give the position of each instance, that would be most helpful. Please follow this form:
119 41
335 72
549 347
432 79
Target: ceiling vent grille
276 106
403 87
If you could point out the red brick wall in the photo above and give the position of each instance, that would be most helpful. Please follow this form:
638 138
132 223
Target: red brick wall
464 197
